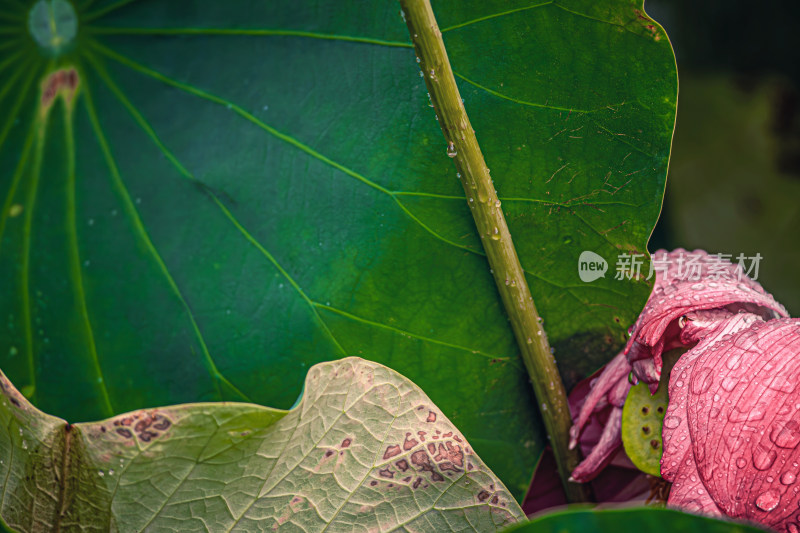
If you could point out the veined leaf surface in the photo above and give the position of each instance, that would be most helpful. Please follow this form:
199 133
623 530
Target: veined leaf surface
363 449
233 192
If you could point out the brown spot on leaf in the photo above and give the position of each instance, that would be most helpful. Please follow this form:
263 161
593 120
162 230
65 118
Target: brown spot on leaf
455 454
373 483
495 500
328 453
417 482
421 435
143 424
391 451
124 432
436 476
406 479
432 448
447 465
483 496
442 455
346 443
422 461
147 436
458 438
431 416
63 81
410 442
160 422
386 472
448 434
402 464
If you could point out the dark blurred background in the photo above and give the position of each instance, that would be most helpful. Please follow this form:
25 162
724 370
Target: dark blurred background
734 176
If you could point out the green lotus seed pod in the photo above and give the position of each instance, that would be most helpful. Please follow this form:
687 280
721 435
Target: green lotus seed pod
642 417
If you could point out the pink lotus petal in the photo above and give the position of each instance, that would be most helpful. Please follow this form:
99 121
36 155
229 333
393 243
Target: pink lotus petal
693 281
603 452
608 381
733 422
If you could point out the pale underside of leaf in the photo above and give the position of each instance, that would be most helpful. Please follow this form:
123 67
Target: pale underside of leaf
364 450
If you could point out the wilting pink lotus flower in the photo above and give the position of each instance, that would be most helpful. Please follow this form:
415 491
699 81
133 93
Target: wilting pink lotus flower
707 304
732 428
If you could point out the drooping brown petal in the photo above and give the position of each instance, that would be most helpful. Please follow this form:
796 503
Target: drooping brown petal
691 281
732 429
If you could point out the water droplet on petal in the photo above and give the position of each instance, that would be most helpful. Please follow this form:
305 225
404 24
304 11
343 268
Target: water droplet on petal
698 287
749 414
745 339
740 462
734 361
729 383
702 380
782 384
768 500
787 478
763 458
672 422
786 435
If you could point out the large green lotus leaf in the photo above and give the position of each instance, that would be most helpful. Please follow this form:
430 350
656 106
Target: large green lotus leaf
236 191
651 519
365 449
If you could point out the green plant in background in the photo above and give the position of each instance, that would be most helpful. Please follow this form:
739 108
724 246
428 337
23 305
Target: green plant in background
202 201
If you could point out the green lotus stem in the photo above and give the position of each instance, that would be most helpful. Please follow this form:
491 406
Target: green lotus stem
462 146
